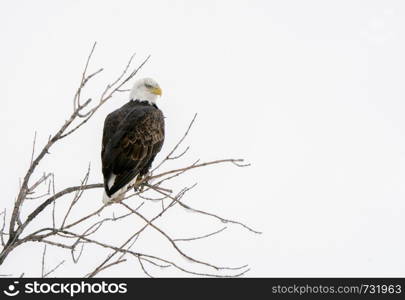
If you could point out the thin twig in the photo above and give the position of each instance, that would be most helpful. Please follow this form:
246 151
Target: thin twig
200 237
198 166
2 233
54 269
43 262
173 243
223 220
33 148
177 145
112 264
143 268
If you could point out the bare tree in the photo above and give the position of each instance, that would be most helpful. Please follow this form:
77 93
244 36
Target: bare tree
16 231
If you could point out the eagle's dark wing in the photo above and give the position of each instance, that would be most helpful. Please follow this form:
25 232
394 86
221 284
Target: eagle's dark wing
130 143
111 123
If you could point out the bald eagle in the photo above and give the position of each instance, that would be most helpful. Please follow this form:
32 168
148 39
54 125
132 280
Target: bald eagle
132 136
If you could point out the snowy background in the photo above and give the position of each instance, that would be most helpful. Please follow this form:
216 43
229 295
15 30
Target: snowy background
311 93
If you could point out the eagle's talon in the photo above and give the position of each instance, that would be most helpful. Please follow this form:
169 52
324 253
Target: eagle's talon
140 187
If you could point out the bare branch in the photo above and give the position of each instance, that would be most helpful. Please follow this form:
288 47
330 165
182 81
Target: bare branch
133 236
223 220
43 262
48 201
112 264
137 254
196 166
33 148
172 242
177 145
76 99
56 244
2 233
180 155
77 196
76 259
143 268
200 237
54 269
43 178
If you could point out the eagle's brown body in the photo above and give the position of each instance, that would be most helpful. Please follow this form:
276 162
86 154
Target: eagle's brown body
132 136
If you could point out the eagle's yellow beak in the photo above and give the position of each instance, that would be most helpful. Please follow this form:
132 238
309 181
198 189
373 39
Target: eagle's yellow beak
156 91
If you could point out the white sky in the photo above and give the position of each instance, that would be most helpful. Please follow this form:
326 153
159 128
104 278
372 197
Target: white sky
310 92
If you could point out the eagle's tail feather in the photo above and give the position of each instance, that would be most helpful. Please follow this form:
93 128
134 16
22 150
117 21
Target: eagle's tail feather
119 195
106 199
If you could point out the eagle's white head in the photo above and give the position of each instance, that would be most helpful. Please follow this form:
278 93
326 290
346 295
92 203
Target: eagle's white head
145 89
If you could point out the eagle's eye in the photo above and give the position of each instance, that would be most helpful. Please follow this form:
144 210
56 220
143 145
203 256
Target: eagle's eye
148 86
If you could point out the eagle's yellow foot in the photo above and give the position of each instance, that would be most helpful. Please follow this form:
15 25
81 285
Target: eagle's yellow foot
139 184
